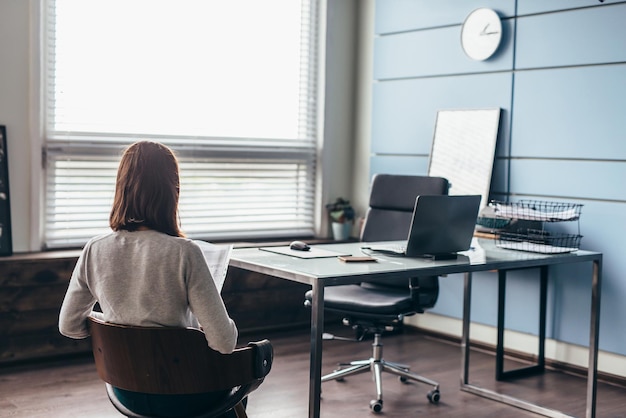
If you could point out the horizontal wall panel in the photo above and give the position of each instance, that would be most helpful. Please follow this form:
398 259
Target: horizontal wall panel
398 164
570 113
572 285
576 37
404 111
522 286
484 292
569 178
525 7
602 226
565 142
406 15
435 52
569 293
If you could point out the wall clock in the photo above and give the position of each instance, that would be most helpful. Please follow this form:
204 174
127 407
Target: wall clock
481 34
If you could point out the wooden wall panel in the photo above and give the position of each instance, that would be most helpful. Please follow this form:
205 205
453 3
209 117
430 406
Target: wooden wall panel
14 322
575 37
32 288
258 301
31 292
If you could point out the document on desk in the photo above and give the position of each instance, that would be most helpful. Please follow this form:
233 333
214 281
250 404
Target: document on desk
312 253
522 212
217 258
535 247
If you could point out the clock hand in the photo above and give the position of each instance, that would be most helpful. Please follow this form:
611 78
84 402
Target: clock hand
484 31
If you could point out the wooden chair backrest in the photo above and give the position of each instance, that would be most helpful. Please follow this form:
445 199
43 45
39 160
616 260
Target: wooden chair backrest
166 360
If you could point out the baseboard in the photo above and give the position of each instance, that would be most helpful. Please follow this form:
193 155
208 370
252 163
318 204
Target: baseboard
562 356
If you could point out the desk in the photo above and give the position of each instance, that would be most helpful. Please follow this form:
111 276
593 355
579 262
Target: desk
485 256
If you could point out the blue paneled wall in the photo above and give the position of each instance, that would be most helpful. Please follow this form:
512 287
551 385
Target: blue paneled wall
560 77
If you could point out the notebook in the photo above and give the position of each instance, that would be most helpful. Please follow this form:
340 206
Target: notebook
440 227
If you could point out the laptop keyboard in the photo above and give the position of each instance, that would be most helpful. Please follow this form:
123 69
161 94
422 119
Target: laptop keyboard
390 249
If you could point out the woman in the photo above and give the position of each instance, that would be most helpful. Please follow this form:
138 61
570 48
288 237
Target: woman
145 272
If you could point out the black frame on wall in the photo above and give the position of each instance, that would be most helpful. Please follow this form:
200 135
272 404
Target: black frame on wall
6 240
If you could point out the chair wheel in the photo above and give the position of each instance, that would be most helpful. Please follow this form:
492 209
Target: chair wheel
403 379
376 405
434 396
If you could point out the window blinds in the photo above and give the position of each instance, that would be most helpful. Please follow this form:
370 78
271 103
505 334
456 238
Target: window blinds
230 86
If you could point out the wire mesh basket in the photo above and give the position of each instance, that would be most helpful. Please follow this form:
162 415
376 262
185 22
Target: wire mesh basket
539 241
537 210
527 229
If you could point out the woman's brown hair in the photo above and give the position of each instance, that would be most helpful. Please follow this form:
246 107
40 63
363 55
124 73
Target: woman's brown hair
147 189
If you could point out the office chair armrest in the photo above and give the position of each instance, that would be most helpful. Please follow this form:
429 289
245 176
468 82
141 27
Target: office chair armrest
415 289
264 355
424 292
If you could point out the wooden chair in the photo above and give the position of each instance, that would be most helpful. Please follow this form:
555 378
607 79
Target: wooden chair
175 361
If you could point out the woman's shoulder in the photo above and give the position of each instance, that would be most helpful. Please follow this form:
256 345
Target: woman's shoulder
149 241
99 238
166 241
147 237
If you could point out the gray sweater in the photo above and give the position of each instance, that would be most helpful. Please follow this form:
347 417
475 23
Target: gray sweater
146 278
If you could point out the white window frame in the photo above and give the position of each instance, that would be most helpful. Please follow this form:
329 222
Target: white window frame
187 149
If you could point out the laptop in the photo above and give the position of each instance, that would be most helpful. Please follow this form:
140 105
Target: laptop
440 227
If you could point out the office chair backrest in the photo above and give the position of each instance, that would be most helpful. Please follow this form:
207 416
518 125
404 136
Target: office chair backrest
172 360
388 218
392 200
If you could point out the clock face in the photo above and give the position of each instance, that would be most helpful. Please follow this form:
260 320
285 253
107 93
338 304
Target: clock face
481 34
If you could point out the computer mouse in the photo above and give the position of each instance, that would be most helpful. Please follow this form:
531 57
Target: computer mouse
299 246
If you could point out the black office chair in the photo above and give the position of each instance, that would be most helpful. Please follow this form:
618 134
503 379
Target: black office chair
375 307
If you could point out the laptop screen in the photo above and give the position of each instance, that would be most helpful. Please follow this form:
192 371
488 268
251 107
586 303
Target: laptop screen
442 225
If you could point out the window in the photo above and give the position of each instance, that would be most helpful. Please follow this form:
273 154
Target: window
229 85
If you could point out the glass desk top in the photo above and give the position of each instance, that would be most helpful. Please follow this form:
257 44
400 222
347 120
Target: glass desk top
483 255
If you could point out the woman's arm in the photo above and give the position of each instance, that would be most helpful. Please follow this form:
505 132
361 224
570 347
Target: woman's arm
207 305
77 304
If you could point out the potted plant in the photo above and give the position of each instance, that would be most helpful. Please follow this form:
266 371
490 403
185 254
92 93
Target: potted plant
341 215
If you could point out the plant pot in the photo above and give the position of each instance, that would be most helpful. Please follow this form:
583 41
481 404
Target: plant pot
341 230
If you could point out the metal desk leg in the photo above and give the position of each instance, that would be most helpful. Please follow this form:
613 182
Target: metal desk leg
487 393
539 367
465 338
592 372
317 326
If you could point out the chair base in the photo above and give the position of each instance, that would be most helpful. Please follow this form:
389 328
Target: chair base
377 366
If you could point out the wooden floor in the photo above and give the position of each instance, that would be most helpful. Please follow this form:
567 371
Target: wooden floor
72 389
